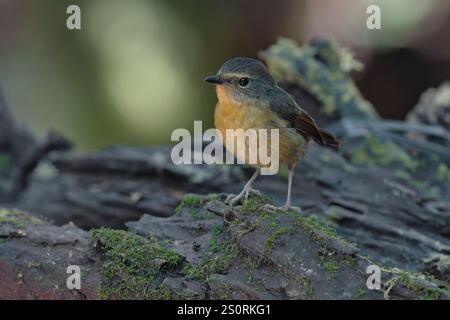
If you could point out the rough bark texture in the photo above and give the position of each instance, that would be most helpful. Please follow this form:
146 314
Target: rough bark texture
382 199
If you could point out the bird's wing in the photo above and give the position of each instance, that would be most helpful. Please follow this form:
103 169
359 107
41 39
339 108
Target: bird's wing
285 107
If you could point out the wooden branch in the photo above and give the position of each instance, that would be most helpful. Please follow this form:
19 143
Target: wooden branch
24 149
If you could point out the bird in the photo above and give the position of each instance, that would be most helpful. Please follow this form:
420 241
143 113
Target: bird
250 98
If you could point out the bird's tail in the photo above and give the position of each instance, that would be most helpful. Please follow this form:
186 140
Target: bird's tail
329 140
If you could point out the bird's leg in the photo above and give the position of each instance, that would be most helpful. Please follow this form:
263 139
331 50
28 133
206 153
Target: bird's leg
288 205
246 191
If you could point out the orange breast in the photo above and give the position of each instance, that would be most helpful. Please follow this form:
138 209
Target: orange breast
230 115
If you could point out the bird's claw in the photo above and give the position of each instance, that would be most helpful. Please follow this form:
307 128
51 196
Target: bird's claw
251 192
233 199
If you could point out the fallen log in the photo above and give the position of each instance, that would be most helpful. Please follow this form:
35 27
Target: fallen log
381 200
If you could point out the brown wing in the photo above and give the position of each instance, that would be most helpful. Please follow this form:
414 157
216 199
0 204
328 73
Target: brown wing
283 104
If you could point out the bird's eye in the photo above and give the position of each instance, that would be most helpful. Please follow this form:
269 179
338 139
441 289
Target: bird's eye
243 82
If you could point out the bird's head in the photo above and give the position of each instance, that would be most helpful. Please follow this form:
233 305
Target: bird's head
242 80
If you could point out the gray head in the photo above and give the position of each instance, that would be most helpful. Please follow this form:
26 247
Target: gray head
243 79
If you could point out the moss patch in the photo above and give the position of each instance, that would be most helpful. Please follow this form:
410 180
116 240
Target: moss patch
321 66
331 266
416 282
212 263
278 232
134 266
308 289
361 294
318 231
330 259
253 205
217 259
386 154
252 265
412 280
17 218
443 173
195 202
311 224
189 201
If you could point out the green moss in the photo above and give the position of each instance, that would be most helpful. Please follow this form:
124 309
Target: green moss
416 282
419 185
350 169
191 200
361 294
325 157
412 281
227 289
195 202
215 244
321 67
386 154
17 218
311 224
360 156
402 174
272 240
308 289
253 204
200 214
213 263
217 258
164 293
330 260
443 172
134 265
331 218
252 265
331 266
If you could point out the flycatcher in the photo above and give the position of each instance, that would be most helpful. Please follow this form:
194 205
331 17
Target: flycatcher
249 98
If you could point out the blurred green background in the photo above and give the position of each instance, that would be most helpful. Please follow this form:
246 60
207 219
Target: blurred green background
134 72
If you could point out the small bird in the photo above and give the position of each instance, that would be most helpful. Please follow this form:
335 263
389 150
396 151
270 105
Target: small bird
249 98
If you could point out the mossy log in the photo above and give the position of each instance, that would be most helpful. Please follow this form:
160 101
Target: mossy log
393 219
204 251
382 199
395 215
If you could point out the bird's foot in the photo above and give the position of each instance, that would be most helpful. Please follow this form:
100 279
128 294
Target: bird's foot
285 208
233 199
251 192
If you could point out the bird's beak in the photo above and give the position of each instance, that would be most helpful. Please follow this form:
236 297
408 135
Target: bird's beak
214 79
